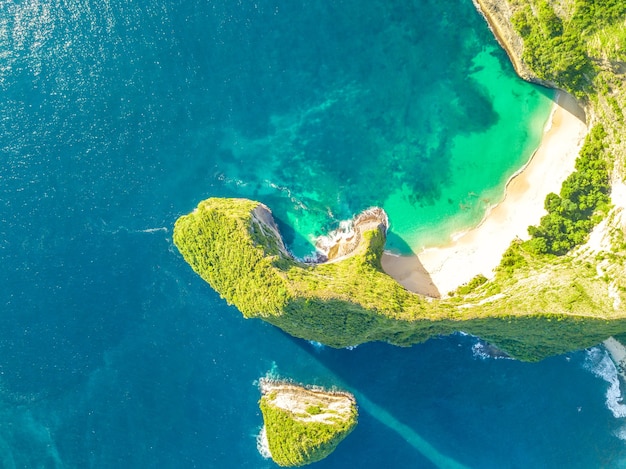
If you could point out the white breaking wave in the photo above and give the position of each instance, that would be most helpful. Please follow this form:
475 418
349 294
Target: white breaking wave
478 351
262 445
316 345
271 375
483 350
153 230
599 362
345 230
621 433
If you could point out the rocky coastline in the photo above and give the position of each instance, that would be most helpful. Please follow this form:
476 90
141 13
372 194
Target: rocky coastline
498 15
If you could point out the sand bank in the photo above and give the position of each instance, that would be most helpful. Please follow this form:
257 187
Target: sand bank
440 270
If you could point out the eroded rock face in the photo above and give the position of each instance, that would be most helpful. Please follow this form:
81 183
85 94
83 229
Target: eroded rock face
302 424
346 239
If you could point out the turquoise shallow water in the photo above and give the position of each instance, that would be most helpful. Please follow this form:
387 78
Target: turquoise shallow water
118 117
374 105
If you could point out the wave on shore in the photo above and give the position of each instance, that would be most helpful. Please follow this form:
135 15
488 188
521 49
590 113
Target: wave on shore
262 445
483 351
599 362
343 240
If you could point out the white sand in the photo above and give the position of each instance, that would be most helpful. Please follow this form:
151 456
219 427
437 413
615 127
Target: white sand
479 250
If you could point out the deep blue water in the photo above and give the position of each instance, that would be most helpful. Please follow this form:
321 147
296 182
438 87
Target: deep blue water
117 117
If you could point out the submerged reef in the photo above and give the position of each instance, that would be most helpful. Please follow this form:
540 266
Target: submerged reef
304 425
542 308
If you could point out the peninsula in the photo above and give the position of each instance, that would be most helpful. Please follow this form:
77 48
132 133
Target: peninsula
541 308
303 425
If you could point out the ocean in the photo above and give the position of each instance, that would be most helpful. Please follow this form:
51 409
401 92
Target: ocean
117 117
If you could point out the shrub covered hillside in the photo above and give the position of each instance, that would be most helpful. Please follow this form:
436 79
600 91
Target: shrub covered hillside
352 301
580 46
555 46
583 201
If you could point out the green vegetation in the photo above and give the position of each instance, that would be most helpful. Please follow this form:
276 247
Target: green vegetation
512 259
353 301
582 50
314 410
297 439
472 285
551 49
554 48
584 193
238 267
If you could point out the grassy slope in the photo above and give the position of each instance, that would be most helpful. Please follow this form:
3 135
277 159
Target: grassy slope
538 305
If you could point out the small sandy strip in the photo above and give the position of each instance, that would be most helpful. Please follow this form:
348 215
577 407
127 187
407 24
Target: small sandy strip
441 270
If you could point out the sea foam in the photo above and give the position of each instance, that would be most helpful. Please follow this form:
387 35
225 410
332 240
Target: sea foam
483 350
317 346
621 433
600 364
262 445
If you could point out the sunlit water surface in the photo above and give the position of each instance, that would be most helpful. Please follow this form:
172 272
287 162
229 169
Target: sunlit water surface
116 117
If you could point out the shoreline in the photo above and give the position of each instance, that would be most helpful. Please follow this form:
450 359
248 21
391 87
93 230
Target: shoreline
437 271
503 32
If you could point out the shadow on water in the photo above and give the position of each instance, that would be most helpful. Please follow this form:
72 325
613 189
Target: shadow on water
372 381
565 100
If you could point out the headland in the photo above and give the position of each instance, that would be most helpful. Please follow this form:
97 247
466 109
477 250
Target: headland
541 308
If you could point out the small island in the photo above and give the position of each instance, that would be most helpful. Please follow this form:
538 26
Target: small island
304 425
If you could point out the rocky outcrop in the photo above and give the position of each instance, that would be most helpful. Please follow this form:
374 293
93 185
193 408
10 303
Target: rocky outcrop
346 239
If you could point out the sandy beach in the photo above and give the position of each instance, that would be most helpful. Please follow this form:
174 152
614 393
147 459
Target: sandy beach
439 270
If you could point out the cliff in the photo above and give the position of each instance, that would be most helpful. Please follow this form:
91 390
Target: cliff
498 15
344 241
304 425
543 308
